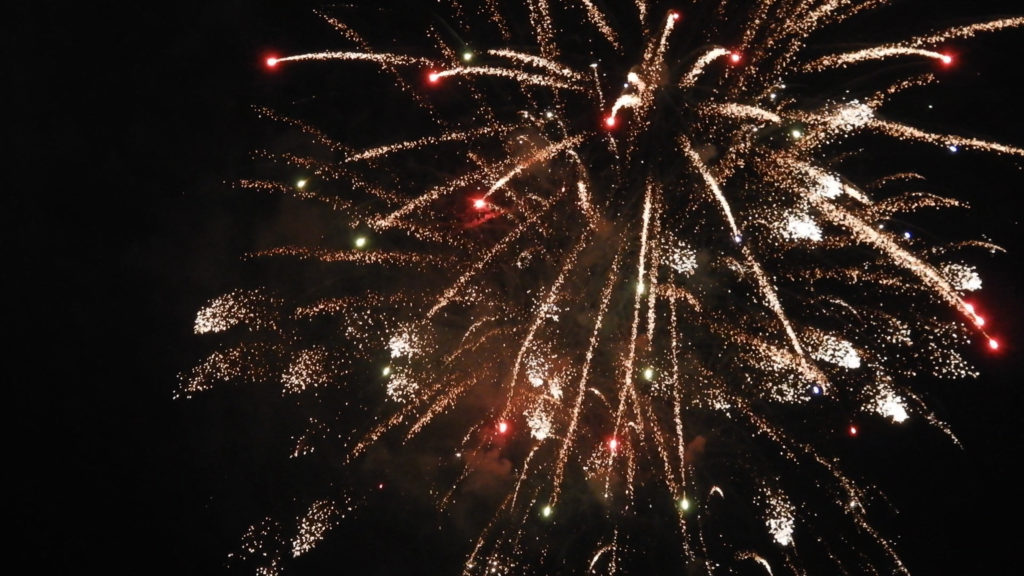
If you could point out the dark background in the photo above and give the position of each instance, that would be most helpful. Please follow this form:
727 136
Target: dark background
123 122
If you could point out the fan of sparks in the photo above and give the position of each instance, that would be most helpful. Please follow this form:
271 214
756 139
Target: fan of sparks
606 258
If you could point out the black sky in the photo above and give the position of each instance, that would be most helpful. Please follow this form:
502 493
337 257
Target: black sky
123 123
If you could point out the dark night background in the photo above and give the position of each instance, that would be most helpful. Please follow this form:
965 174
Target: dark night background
122 123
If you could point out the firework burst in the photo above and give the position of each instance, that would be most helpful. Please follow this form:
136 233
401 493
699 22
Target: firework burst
606 266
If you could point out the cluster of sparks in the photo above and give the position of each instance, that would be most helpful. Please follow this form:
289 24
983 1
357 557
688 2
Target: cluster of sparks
627 240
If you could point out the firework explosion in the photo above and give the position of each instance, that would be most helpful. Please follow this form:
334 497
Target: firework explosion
613 272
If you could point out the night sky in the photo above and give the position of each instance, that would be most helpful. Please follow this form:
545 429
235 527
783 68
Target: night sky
124 124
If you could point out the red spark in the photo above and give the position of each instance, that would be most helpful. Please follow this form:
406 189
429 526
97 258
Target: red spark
609 121
502 427
735 57
975 317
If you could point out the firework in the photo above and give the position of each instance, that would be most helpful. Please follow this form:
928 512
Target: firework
604 268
